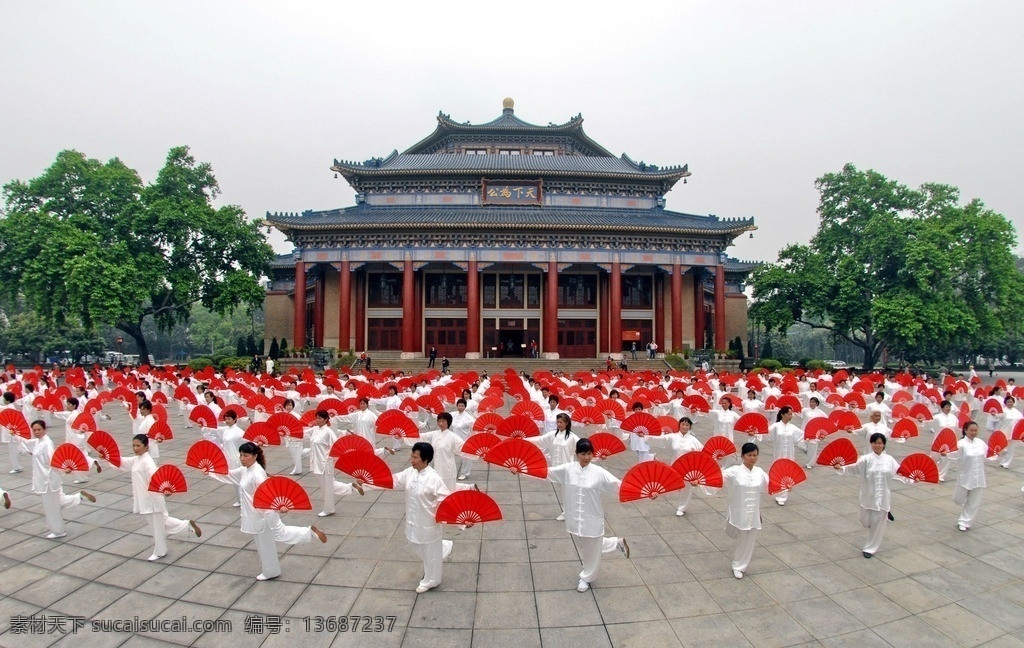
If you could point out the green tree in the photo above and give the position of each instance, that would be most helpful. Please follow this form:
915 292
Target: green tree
895 267
27 334
91 241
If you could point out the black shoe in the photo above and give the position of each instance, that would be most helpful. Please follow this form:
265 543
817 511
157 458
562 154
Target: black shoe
891 518
867 555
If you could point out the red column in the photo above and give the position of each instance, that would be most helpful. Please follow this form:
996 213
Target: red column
344 307
615 306
318 310
602 313
550 337
658 286
417 318
360 344
720 341
677 308
299 331
408 308
698 308
473 311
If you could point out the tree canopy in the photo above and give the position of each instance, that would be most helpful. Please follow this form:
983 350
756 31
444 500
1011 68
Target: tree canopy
898 268
89 241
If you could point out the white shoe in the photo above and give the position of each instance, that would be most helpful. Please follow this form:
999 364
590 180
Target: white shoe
323 514
295 472
421 588
80 480
809 466
446 549
680 512
154 557
237 504
962 527
623 546
54 536
14 472
463 477
780 502
561 517
261 577
737 573
583 586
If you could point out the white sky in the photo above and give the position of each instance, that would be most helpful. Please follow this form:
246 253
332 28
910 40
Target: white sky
759 98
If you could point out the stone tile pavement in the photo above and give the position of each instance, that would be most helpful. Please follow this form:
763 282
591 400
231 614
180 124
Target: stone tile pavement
513 582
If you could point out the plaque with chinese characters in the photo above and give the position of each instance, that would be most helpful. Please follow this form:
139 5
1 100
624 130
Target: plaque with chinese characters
511 192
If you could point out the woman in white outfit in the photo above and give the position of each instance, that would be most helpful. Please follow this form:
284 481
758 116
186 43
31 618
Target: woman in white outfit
812 412
1011 416
295 446
680 443
559 446
321 438
446 445
584 483
876 470
970 455
46 480
784 436
744 484
944 419
725 419
266 526
462 425
10 439
152 505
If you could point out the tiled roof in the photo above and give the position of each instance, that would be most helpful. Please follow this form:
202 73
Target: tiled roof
505 218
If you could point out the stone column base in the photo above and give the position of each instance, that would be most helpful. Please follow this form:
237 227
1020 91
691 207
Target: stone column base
549 355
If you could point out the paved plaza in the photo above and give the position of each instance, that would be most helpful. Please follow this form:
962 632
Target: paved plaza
512 583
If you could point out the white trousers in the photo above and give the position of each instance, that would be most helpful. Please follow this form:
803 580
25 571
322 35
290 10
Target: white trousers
687 495
875 522
432 554
333 488
295 450
465 465
14 453
812 451
944 463
590 553
745 541
53 503
1007 456
972 504
164 525
275 531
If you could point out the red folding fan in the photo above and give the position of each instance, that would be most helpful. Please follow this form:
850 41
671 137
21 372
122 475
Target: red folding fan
105 447
367 467
845 420
992 406
996 443
278 493
286 425
612 409
519 456
350 443
855 400
719 447
771 403
333 406
751 423
920 412
490 403
208 457
467 507
588 415
307 418
84 423
649 479
168 480
397 424
68 457
606 444
160 432
307 390
791 401
642 423
699 469
93 406
15 423
919 467
479 444
669 424
696 403
432 403
900 412
487 422
236 409
204 416
529 408
1018 431
159 412
945 441
904 429
784 475
839 452
835 400
519 427
818 428
260 403
262 434
159 398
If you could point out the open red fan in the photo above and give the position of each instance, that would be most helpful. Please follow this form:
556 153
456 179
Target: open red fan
818 428
488 422
367 467
642 423
588 415
669 424
160 432
528 408
649 479
840 452
945 441
751 423
845 420
900 412
236 409
286 425
920 412
84 423
467 507
68 457
519 456
696 403
996 443
204 416
262 434
612 409
279 493
835 400
1018 431
904 429
350 443
919 467
699 468
159 398
791 401
784 475
479 444
490 404
159 412
518 427
431 403
992 406
334 407
719 447
397 424
771 403
15 422
260 403
105 447
93 406
606 444
208 457
168 480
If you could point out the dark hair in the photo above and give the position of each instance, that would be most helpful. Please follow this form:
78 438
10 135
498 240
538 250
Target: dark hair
877 436
9 397
230 413
41 422
141 438
944 403
553 397
880 393
814 400
963 430
286 402
562 416
749 447
425 450
324 414
250 448
785 409
584 445
446 417
73 402
637 405
146 405
461 401
688 420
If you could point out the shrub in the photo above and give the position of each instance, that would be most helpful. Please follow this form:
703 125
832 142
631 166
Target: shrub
771 364
200 363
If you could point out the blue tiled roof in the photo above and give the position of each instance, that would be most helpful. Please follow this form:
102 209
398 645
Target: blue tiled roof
505 218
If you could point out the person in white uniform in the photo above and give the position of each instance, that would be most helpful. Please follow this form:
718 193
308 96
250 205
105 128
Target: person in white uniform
743 485
784 436
876 470
559 446
9 438
944 419
46 481
680 442
584 483
1011 416
321 438
970 455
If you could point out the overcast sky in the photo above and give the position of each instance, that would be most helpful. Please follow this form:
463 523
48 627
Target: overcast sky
759 98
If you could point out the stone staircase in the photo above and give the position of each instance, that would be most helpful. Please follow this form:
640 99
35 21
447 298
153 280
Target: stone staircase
498 365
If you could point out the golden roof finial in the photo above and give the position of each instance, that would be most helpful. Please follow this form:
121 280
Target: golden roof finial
508 104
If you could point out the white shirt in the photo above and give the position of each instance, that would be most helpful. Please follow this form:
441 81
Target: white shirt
582 492
44 478
971 460
743 488
876 472
784 437
447 445
254 520
679 442
558 448
142 468
424 491
321 438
